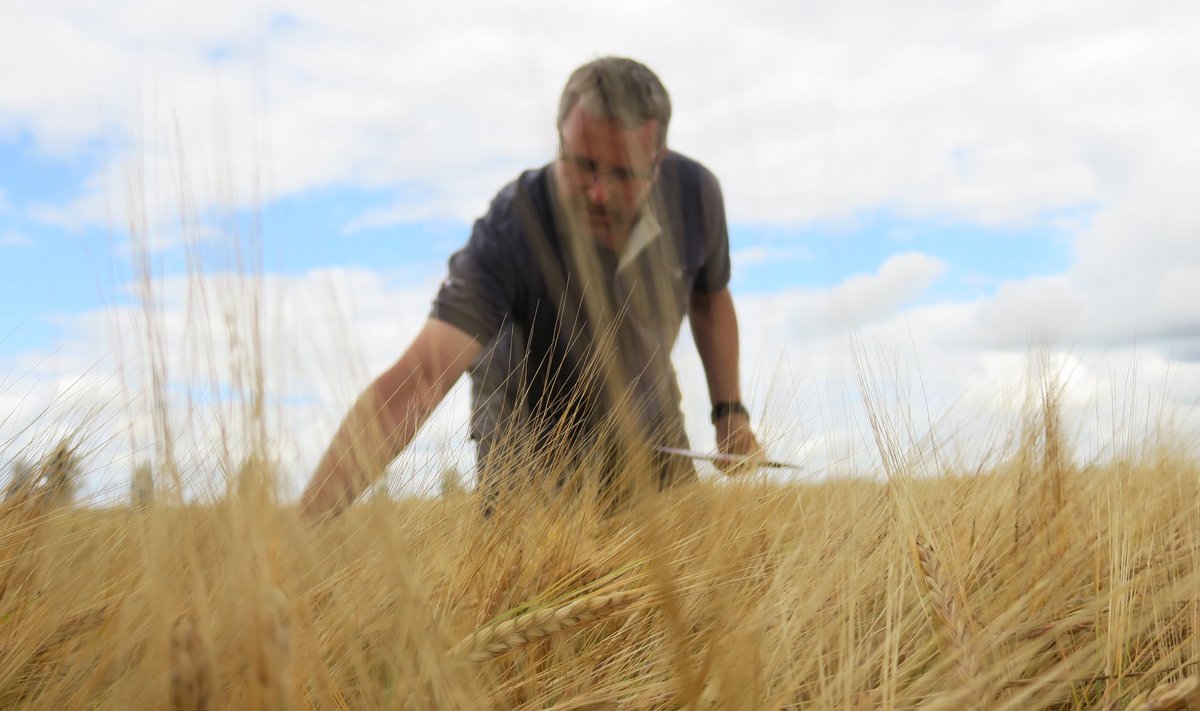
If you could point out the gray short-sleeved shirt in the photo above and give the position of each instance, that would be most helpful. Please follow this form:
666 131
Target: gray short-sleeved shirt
575 331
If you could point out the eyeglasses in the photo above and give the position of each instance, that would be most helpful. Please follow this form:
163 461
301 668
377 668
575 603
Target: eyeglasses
619 175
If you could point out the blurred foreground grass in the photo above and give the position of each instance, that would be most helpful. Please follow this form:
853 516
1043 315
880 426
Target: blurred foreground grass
1036 585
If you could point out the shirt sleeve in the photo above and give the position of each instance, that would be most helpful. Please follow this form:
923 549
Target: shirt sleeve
714 274
479 291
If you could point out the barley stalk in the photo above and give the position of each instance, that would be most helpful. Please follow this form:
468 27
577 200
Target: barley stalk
491 606
506 636
949 617
586 703
1061 627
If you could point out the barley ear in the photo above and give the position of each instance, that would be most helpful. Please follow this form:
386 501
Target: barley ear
69 630
1171 696
495 640
273 662
191 668
948 616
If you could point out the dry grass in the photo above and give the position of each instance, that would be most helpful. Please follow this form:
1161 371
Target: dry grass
842 594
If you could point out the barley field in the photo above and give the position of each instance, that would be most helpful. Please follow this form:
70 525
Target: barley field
1035 584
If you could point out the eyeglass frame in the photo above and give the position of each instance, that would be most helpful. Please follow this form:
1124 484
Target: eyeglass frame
618 175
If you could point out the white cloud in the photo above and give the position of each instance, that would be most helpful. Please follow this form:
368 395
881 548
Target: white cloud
990 114
860 299
809 388
14 239
759 255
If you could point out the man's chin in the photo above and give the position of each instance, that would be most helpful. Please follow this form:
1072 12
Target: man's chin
602 229
605 235
600 222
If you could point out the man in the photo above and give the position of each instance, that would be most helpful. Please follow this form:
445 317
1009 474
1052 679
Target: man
565 305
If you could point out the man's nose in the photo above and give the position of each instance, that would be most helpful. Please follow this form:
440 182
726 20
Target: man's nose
597 189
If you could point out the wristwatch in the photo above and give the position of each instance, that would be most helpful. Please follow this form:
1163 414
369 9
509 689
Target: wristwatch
726 408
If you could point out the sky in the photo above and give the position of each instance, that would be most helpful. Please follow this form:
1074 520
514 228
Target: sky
930 204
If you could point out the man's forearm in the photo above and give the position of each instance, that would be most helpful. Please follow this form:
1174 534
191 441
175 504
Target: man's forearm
388 415
378 427
715 330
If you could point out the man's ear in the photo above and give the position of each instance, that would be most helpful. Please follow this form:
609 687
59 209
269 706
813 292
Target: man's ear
658 160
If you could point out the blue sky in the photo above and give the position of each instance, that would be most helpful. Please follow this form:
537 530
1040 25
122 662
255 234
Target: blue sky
1014 173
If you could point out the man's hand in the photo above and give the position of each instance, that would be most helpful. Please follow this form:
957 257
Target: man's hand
714 328
735 437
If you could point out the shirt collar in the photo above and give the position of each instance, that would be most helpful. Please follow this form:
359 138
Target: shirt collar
643 234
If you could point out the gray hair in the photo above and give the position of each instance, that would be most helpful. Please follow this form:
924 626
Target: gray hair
620 90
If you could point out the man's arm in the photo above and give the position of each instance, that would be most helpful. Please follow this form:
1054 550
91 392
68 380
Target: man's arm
715 330
388 415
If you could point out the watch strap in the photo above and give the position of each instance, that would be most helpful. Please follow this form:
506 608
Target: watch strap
725 408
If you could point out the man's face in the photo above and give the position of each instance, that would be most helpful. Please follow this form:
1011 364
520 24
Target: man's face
605 173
